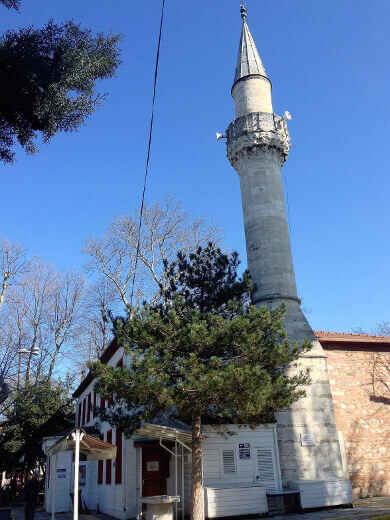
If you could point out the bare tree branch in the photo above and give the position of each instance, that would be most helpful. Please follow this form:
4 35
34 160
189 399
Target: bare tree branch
166 229
12 264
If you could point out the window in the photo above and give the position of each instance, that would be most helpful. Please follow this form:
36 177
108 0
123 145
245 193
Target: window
118 460
266 467
79 416
100 467
94 405
89 406
120 363
108 461
229 462
83 419
102 403
48 474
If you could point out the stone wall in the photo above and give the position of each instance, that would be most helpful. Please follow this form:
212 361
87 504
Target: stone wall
360 382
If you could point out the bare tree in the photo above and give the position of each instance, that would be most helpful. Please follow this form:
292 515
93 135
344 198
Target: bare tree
46 311
30 304
383 328
166 229
12 264
66 315
8 357
101 301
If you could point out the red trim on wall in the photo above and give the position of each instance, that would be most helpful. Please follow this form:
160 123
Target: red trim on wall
109 461
100 467
89 400
84 403
94 405
118 460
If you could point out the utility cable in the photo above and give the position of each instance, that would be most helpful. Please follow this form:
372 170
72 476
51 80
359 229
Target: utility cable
148 154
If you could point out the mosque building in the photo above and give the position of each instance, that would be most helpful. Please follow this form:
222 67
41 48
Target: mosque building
308 458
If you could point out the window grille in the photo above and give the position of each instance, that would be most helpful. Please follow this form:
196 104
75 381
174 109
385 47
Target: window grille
266 467
229 462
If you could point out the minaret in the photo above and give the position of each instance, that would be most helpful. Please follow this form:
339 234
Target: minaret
258 144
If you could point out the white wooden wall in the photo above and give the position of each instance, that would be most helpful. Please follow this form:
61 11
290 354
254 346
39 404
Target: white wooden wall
261 468
63 485
261 438
321 493
222 502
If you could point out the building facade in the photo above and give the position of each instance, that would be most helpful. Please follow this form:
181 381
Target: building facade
339 431
359 372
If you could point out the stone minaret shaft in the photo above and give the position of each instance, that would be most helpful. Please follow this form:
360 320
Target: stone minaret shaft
257 146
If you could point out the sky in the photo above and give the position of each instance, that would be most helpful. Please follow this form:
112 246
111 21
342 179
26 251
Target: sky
329 66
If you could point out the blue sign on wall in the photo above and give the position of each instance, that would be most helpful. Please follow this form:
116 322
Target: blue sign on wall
61 473
244 450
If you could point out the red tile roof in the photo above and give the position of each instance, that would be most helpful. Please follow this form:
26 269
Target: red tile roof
346 337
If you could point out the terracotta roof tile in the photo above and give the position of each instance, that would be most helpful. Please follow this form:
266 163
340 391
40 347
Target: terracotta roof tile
346 337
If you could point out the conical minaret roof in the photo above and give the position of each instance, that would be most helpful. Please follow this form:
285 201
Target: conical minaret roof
248 61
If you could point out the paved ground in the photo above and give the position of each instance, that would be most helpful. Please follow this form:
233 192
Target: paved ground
366 509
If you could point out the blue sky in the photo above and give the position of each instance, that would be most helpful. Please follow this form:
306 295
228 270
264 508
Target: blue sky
329 65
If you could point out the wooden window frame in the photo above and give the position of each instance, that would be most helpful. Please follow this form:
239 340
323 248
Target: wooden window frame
100 468
109 461
89 406
94 405
84 407
118 460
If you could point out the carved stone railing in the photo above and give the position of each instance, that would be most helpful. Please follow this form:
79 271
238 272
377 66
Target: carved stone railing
257 129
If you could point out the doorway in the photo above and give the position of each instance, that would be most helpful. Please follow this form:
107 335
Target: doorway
155 471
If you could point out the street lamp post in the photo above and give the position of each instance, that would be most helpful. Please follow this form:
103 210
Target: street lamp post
34 351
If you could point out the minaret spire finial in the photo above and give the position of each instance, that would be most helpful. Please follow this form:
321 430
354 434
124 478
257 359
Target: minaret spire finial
244 13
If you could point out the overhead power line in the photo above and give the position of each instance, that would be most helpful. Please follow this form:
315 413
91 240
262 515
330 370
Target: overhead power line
148 153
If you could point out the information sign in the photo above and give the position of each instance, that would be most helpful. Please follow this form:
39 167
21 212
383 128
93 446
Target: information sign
307 439
244 450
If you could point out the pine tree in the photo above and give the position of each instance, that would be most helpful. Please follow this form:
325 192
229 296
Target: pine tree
48 80
35 412
205 356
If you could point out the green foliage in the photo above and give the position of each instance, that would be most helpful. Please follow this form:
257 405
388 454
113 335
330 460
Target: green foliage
48 81
11 4
206 352
207 280
37 411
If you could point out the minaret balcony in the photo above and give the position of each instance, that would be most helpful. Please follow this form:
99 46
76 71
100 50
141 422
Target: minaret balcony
254 130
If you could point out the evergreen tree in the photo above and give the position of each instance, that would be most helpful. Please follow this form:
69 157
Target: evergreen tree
35 412
47 81
205 355
11 4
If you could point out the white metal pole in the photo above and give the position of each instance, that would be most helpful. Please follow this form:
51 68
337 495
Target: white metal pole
76 474
176 479
53 488
182 482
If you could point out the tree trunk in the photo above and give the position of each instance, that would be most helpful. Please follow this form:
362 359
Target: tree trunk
3 289
53 362
197 498
19 369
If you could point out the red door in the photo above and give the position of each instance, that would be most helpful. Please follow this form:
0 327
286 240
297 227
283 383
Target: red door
155 471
